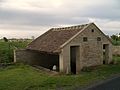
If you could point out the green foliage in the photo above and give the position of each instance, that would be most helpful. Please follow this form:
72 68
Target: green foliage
116 58
117 43
115 40
6 50
5 39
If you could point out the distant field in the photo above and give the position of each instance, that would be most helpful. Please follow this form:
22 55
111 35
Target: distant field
6 49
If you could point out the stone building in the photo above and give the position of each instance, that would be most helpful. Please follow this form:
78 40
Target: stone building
69 48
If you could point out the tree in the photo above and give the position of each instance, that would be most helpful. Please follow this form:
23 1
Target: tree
114 37
9 48
119 36
5 39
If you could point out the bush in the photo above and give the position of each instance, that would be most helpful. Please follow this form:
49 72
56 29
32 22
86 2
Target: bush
6 50
117 43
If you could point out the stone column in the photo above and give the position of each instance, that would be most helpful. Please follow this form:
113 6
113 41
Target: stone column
110 54
61 68
64 60
14 51
78 60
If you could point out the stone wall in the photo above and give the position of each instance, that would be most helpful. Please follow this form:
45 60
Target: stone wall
91 52
116 50
37 58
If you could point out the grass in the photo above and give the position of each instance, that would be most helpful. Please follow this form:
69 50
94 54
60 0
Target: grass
116 58
24 77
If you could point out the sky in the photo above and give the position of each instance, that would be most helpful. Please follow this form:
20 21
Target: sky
27 18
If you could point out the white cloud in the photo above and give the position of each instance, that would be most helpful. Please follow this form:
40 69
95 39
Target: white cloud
107 26
34 15
19 34
31 4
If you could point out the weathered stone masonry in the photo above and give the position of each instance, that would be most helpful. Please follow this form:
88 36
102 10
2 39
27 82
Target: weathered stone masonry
70 48
91 52
36 58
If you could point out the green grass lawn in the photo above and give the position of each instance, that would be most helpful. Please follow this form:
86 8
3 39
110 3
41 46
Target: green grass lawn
24 77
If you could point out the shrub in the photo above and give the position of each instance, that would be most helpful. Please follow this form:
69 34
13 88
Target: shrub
6 50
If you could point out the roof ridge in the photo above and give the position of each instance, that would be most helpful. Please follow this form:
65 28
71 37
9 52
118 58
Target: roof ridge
87 25
52 41
70 27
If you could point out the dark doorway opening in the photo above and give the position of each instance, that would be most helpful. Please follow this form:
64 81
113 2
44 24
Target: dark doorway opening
73 58
105 53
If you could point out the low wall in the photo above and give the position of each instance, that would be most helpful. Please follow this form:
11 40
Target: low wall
116 50
36 58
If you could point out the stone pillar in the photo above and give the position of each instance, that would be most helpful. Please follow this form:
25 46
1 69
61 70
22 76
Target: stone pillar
78 61
110 54
106 53
64 61
61 62
14 51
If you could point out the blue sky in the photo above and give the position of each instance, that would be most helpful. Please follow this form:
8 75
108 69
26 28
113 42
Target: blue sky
26 18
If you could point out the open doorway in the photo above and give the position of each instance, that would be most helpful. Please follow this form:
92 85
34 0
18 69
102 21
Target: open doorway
73 57
105 53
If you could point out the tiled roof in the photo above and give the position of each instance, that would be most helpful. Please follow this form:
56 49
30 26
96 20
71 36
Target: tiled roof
51 41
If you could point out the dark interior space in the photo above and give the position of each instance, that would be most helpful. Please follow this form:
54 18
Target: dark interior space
49 60
73 59
36 58
105 53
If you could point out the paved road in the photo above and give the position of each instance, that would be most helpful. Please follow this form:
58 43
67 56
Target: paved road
113 84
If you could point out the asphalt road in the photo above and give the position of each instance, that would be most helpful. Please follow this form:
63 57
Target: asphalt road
112 84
